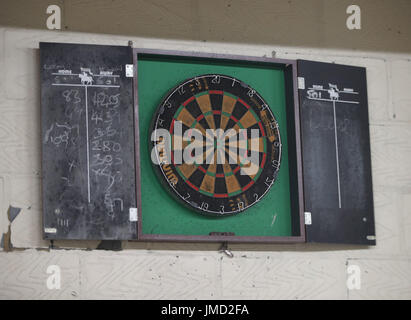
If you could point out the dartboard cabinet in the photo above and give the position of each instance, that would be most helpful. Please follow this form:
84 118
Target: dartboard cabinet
183 146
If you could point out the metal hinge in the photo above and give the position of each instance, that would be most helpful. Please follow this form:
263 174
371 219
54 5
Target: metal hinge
301 83
133 214
307 218
129 70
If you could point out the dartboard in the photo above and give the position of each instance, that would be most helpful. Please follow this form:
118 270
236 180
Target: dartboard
215 144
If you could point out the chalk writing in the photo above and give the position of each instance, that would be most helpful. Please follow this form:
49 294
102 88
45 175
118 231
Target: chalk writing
91 104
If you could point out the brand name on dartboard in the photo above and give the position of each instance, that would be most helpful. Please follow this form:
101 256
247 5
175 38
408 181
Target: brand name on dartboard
216 146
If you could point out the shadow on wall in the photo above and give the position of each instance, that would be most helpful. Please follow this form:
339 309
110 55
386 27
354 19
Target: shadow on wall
385 25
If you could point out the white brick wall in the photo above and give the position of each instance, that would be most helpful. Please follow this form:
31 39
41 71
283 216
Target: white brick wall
167 270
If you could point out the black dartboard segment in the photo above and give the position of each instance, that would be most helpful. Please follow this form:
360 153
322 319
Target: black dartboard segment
223 149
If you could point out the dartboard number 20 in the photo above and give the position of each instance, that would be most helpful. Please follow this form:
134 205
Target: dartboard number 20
215 144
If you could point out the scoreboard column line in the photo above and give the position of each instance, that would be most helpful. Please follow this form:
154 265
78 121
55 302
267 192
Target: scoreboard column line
334 101
88 149
336 156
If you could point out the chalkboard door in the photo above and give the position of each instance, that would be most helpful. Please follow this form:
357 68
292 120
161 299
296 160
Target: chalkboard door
87 142
336 153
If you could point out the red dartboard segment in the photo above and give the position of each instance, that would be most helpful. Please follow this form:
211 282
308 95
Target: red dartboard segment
192 185
234 118
220 195
188 101
263 161
225 111
236 169
243 103
216 92
202 169
248 186
261 128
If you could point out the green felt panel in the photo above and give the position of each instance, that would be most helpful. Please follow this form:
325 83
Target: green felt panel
161 213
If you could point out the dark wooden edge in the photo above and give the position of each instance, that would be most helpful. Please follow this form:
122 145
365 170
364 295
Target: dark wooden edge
191 54
370 242
291 78
290 68
43 198
237 239
137 144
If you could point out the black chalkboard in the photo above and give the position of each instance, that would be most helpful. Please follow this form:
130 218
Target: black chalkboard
336 153
87 142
